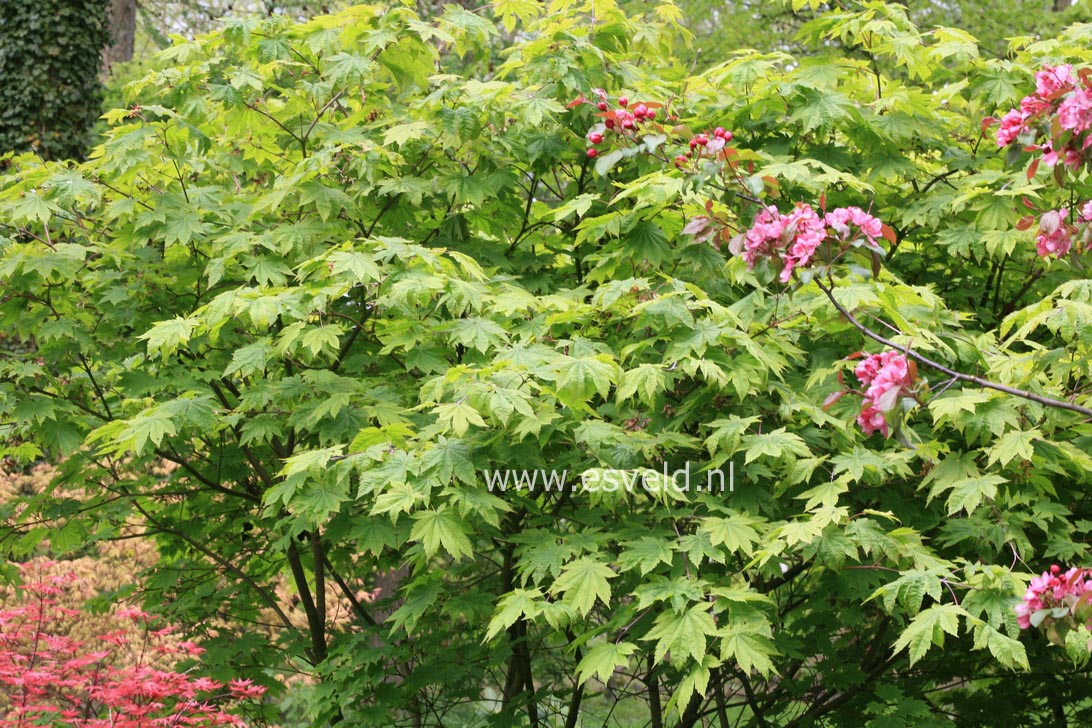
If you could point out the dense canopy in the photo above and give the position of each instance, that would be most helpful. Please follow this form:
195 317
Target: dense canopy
326 287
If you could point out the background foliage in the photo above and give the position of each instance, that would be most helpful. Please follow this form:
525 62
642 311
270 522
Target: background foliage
335 271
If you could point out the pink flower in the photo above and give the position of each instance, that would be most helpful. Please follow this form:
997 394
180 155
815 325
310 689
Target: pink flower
1032 106
1054 80
1049 591
886 375
808 233
1023 615
840 219
1012 124
1054 236
872 420
1075 113
1086 212
763 240
793 239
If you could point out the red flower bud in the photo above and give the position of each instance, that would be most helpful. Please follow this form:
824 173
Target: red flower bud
595 137
602 106
593 153
623 101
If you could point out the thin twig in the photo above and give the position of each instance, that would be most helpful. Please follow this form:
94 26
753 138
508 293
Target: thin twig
979 381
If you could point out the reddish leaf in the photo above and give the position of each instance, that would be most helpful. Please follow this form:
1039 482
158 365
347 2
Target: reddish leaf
889 234
1033 167
987 123
1025 222
696 226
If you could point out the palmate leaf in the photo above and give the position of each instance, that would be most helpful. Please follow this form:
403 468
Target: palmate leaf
517 604
736 533
909 590
682 634
165 337
451 458
602 660
585 376
583 582
646 554
441 528
543 309
749 643
457 417
647 381
776 444
928 629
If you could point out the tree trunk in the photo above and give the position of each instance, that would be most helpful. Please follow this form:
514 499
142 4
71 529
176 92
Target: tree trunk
122 33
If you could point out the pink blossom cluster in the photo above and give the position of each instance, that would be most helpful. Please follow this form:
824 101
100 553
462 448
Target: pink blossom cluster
886 375
702 145
793 238
1053 590
50 678
1055 237
625 119
1061 97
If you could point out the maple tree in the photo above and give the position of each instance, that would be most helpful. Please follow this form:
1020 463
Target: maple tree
335 271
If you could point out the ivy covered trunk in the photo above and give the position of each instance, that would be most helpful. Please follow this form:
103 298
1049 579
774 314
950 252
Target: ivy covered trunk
508 373
50 54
